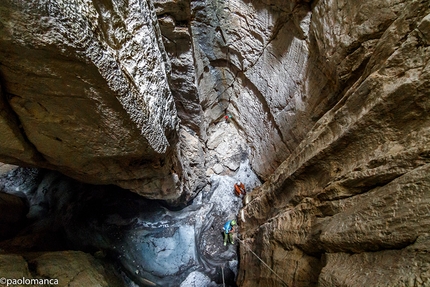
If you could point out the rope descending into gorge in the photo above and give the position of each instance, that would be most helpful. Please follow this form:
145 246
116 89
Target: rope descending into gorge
264 263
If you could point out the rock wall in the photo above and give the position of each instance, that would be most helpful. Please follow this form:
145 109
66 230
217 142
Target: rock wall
85 91
349 206
174 23
327 102
146 241
67 268
253 63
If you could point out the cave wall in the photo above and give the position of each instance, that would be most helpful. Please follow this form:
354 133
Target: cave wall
329 102
174 23
250 61
85 91
349 206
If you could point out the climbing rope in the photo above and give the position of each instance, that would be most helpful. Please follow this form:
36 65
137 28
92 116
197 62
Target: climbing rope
264 263
222 270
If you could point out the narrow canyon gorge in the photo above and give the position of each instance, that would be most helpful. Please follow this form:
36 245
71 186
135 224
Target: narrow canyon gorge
125 125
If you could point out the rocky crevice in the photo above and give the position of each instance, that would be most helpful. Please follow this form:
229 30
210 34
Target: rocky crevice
329 107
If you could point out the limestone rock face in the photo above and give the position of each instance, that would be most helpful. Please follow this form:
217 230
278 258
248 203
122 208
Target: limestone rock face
327 102
174 22
349 206
85 91
252 61
406 267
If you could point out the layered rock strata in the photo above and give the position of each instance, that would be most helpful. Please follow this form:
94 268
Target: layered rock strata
328 100
174 23
349 206
251 63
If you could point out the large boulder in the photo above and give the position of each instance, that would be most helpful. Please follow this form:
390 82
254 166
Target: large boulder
85 92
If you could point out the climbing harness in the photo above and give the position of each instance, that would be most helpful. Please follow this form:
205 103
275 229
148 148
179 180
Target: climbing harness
264 263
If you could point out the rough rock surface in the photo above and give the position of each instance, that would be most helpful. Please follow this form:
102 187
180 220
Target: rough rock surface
14 266
153 245
327 102
174 22
349 206
252 62
70 268
405 267
85 91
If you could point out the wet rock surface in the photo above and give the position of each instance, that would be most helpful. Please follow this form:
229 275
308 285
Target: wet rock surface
151 243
